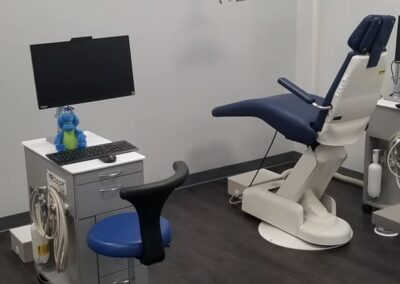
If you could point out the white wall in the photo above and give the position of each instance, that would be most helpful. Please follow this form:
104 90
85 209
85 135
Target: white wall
337 20
188 57
307 50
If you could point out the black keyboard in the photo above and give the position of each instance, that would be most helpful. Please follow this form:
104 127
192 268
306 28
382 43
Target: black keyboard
91 152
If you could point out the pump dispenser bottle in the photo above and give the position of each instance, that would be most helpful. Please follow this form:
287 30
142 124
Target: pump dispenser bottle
374 175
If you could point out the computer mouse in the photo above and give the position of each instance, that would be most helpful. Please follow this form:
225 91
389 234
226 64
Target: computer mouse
110 158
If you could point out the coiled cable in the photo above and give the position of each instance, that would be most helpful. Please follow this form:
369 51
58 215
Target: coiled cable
393 157
47 211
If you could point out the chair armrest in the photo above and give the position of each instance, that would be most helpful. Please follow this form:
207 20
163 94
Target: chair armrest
148 200
296 90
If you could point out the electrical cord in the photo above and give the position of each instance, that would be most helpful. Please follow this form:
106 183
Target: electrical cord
237 199
391 70
393 80
47 211
265 157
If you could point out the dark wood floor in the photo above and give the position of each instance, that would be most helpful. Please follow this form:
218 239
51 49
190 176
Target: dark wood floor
12 270
216 243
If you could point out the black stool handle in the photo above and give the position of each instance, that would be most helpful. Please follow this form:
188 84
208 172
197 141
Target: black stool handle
149 199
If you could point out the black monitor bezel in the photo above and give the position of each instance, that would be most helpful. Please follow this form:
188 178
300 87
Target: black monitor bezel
81 100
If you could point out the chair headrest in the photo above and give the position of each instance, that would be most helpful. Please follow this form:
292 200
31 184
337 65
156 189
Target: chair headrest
371 36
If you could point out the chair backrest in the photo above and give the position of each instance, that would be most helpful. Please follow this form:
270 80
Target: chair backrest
148 200
357 87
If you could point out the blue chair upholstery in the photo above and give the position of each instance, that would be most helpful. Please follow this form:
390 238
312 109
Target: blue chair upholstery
286 113
371 37
142 234
119 236
295 116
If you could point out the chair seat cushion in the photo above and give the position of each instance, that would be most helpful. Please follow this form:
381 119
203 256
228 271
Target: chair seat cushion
119 236
288 114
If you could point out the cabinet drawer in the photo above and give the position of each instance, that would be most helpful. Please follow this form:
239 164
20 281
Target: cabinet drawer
103 196
110 172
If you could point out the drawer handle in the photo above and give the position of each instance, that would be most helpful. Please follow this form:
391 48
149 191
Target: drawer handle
112 175
111 189
121 282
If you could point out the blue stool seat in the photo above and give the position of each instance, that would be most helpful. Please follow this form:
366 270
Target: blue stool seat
286 113
119 236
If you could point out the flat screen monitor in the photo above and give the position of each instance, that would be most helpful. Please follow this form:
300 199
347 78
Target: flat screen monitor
82 70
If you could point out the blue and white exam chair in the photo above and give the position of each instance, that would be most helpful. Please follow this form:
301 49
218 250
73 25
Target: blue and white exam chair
325 126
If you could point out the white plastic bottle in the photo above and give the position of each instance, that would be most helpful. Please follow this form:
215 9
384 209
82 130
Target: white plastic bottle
374 175
40 246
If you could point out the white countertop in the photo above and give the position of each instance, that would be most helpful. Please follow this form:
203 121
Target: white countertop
42 147
387 103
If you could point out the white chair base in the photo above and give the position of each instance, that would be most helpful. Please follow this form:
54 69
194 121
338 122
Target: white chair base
289 216
281 238
298 206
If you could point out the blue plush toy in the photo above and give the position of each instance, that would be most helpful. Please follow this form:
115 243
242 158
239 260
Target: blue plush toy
69 137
